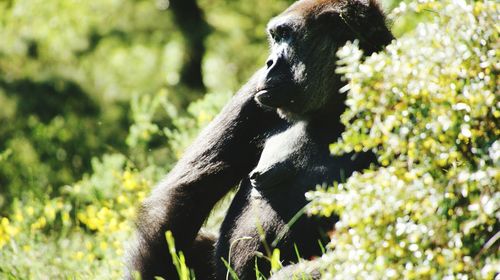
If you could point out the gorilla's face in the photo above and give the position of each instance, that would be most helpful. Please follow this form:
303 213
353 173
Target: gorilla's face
285 78
300 71
299 77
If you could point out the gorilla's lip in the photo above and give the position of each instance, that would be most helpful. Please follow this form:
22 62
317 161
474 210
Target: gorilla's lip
270 89
265 90
263 96
272 97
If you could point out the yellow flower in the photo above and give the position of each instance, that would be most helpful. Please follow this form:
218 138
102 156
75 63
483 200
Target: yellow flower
113 225
103 245
358 148
40 223
66 218
59 204
127 175
19 216
141 196
441 260
119 252
130 184
459 267
30 211
78 255
204 117
4 222
50 212
121 199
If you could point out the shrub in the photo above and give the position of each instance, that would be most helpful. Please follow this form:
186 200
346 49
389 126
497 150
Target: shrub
428 107
81 231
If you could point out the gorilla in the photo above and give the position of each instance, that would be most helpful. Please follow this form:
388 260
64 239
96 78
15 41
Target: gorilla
272 140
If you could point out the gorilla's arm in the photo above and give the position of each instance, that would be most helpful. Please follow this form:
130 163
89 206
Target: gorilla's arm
218 159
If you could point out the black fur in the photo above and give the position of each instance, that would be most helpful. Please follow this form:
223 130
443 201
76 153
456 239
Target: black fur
275 160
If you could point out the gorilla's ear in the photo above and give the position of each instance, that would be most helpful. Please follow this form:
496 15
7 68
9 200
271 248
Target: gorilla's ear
363 20
367 21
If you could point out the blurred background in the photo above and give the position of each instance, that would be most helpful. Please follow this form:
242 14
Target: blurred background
98 99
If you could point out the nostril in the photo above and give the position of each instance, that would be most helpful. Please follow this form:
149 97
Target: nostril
269 63
254 175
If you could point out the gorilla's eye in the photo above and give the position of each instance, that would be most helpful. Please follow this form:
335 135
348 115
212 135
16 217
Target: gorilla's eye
281 32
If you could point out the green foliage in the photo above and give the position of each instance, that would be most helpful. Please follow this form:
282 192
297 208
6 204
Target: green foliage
178 259
199 114
79 233
429 107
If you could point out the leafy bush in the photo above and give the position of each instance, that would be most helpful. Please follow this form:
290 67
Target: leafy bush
429 107
82 231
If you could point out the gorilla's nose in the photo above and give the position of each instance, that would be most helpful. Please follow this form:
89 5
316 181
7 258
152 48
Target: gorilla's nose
270 62
254 177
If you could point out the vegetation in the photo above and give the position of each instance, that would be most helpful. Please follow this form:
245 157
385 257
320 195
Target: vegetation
96 108
429 106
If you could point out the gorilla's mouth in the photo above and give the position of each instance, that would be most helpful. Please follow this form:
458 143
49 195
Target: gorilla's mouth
274 96
269 89
268 97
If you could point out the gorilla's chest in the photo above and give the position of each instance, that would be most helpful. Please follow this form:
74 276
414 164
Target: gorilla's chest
266 212
290 162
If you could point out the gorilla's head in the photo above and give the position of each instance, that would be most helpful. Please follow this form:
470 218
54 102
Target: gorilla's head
299 78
